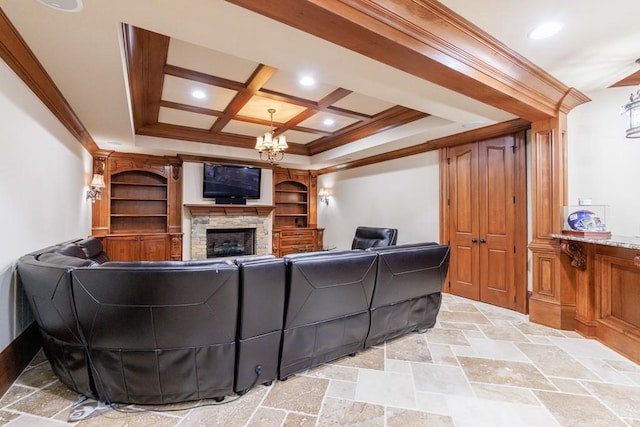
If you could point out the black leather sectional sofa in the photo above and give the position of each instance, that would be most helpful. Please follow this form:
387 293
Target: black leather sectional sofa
163 332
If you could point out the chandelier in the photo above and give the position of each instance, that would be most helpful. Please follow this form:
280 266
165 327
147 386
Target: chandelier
271 147
632 110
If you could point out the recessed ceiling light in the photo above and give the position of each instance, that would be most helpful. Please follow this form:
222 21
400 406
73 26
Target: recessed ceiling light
328 122
64 5
198 94
545 30
307 81
473 124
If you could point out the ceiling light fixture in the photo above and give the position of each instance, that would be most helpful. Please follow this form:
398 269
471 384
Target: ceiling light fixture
198 94
307 81
328 122
271 147
64 5
545 30
632 110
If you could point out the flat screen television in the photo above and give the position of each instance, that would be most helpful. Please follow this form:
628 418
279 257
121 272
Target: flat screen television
231 182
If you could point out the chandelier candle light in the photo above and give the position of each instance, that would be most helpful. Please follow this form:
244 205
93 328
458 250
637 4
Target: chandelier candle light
271 147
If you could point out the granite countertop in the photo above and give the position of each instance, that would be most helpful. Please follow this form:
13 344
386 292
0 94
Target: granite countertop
629 242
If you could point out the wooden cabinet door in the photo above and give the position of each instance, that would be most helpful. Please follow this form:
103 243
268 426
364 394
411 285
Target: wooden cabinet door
154 248
123 248
486 211
138 248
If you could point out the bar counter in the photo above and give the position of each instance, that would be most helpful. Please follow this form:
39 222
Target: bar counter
606 277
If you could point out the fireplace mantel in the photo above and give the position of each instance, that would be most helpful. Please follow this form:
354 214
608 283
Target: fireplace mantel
229 210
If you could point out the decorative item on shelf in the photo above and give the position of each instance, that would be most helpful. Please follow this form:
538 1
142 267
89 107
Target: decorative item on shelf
323 193
97 181
632 110
271 147
586 222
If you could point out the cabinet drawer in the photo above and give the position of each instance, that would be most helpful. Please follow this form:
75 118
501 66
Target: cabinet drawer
286 250
297 233
297 241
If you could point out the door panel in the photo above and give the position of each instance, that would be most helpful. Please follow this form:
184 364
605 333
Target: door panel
463 202
496 217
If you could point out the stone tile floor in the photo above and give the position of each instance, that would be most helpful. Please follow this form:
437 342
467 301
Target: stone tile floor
480 366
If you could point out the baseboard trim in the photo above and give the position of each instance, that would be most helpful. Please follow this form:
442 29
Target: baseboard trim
17 356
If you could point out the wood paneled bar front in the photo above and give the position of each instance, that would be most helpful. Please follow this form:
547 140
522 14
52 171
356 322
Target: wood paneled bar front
606 277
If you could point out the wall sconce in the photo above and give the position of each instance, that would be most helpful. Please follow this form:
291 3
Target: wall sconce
632 110
97 181
97 184
323 193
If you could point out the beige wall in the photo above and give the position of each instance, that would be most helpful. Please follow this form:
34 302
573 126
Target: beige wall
43 181
402 194
603 163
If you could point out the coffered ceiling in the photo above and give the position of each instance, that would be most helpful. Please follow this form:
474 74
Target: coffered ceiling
394 76
185 91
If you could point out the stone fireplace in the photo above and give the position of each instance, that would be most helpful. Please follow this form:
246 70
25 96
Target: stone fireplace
224 242
224 221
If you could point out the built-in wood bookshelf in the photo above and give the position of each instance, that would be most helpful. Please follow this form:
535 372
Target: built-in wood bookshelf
140 214
294 218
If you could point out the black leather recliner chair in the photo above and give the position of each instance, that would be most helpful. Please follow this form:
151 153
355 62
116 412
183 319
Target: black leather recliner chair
260 318
408 289
371 237
174 344
327 307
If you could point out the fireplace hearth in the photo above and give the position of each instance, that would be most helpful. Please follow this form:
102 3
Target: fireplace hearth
229 242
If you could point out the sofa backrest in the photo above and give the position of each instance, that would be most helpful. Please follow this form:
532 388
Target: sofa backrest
409 271
143 322
262 291
328 285
46 284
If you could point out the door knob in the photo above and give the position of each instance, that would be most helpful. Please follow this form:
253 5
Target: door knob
483 241
474 240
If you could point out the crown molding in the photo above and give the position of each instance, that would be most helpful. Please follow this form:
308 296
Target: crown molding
17 54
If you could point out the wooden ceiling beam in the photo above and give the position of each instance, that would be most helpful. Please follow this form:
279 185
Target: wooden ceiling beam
146 54
388 119
183 133
430 41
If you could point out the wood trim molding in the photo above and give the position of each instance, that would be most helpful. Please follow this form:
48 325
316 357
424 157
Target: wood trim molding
229 210
430 41
17 356
474 135
576 253
17 54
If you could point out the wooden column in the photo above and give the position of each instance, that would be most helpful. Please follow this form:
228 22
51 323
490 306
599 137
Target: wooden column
553 299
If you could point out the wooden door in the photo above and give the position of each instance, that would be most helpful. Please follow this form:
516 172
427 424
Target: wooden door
464 227
487 221
496 216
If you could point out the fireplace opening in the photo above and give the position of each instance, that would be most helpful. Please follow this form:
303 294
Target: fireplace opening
226 242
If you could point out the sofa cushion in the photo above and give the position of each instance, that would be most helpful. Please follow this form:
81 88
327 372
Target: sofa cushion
71 250
156 264
93 249
65 260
